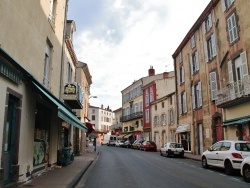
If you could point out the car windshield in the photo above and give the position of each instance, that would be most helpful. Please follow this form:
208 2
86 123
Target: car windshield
242 147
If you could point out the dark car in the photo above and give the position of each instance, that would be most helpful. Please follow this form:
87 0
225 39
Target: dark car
136 144
148 146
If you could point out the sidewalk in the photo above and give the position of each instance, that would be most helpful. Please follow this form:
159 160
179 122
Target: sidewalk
69 176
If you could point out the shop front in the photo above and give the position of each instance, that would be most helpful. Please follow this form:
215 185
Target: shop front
183 136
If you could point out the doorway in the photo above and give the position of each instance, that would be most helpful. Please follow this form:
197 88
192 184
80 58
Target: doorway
11 140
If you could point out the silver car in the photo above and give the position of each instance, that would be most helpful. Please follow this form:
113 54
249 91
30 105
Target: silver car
172 149
227 154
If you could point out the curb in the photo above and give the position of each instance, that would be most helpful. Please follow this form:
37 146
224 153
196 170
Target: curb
79 176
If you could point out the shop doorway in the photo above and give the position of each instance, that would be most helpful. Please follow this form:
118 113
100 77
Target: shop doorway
11 140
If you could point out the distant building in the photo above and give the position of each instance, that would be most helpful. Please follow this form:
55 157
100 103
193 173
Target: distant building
102 119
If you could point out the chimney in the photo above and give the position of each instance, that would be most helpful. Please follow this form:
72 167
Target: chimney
165 75
151 71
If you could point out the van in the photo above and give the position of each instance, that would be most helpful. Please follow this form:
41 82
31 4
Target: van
109 140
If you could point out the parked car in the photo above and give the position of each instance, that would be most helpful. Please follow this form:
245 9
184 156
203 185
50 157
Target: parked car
136 144
227 154
119 143
127 144
148 146
245 169
172 149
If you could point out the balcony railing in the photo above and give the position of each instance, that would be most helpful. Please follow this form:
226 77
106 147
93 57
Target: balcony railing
234 91
116 126
131 116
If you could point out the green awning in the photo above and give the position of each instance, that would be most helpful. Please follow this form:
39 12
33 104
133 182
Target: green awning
63 112
236 121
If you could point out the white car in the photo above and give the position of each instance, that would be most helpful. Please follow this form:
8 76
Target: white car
227 154
172 148
119 143
245 169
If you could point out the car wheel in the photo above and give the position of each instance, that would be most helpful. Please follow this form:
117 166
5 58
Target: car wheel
246 173
228 168
204 162
161 153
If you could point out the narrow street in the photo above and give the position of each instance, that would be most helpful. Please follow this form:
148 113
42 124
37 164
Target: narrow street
122 167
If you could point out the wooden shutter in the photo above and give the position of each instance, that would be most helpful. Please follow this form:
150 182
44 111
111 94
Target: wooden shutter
243 57
213 85
197 61
185 102
230 72
213 45
191 64
193 98
180 105
210 21
183 74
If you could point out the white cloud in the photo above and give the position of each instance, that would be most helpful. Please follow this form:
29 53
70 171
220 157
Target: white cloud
130 36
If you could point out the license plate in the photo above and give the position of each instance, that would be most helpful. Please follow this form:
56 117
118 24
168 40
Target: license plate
176 153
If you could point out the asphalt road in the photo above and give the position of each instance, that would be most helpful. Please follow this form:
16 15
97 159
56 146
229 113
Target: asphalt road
122 167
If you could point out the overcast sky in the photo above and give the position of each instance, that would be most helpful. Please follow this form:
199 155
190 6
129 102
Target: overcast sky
121 39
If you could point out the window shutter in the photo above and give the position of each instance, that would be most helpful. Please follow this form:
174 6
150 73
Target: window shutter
180 105
213 45
197 60
191 64
213 85
230 72
223 6
200 94
205 52
193 98
179 76
243 57
210 21
231 79
204 27
185 102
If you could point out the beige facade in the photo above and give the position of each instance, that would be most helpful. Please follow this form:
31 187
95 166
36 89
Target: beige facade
163 111
211 67
32 112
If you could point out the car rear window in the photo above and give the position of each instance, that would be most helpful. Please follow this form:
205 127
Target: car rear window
242 147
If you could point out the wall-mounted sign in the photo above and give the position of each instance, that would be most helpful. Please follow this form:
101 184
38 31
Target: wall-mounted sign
70 89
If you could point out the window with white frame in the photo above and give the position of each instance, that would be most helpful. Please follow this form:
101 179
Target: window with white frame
151 94
197 95
192 41
194 63
147 115
207 24
47 65
181 76
225 4
182 103
210 48
232 28
146 97
213 85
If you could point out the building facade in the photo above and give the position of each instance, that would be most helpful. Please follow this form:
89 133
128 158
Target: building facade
102 119
162 108
33 113
212 76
